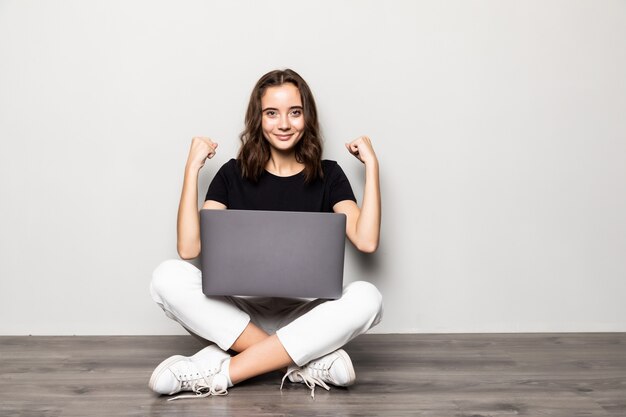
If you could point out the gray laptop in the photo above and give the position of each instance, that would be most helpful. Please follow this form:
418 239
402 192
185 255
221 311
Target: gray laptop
272 253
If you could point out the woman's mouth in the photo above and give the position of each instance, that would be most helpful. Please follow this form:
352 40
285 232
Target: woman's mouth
284 137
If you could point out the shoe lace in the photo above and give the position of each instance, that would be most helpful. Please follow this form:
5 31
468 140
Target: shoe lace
202 387
310 379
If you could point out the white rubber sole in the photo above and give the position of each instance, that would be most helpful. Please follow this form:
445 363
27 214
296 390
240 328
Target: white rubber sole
163 366
352 375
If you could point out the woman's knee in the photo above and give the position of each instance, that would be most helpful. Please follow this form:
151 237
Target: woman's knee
368 298
168 274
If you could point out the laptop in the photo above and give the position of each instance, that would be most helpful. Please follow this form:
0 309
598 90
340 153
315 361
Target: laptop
272 253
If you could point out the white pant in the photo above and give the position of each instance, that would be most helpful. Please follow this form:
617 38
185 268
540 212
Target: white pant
306 329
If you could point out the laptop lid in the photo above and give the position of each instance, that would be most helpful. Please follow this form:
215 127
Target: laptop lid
272 253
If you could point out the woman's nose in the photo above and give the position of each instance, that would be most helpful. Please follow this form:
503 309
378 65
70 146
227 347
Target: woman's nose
284 123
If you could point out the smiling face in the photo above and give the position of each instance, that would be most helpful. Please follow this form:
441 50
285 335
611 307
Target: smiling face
282 116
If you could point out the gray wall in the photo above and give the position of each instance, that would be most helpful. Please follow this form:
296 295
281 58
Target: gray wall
499 127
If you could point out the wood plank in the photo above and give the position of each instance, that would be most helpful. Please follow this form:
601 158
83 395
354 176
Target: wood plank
400 375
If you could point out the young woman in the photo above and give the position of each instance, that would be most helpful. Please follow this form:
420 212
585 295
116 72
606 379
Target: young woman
280 156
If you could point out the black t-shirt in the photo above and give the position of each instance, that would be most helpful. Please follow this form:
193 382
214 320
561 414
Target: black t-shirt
280 193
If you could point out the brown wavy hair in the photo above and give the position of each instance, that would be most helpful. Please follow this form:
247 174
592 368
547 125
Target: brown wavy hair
254 152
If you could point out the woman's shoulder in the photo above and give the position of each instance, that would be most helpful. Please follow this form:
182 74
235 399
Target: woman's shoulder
330 167
333 172
229 170
230 166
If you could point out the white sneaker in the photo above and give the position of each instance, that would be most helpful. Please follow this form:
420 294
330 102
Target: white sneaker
335 368
199 373
210 353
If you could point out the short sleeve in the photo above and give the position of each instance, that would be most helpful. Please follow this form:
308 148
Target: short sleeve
218 189
339 185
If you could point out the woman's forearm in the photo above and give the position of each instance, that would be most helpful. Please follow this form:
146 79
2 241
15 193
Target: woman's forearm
188 223
368 224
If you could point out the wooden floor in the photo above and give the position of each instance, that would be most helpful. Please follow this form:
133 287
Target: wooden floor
398 375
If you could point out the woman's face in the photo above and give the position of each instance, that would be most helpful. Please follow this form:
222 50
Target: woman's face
283 116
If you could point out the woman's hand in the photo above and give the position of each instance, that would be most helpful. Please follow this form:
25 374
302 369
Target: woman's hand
362 149
201 149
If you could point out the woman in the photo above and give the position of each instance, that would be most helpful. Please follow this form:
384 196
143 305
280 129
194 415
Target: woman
280 153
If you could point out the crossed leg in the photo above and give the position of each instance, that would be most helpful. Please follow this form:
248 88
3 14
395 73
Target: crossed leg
258 353
318 329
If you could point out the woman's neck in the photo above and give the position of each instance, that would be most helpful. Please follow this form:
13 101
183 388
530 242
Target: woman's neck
283 165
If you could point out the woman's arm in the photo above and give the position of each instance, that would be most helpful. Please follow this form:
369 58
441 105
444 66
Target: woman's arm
363 224
188 221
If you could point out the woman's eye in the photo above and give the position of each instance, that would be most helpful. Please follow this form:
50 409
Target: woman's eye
270 113
296 112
